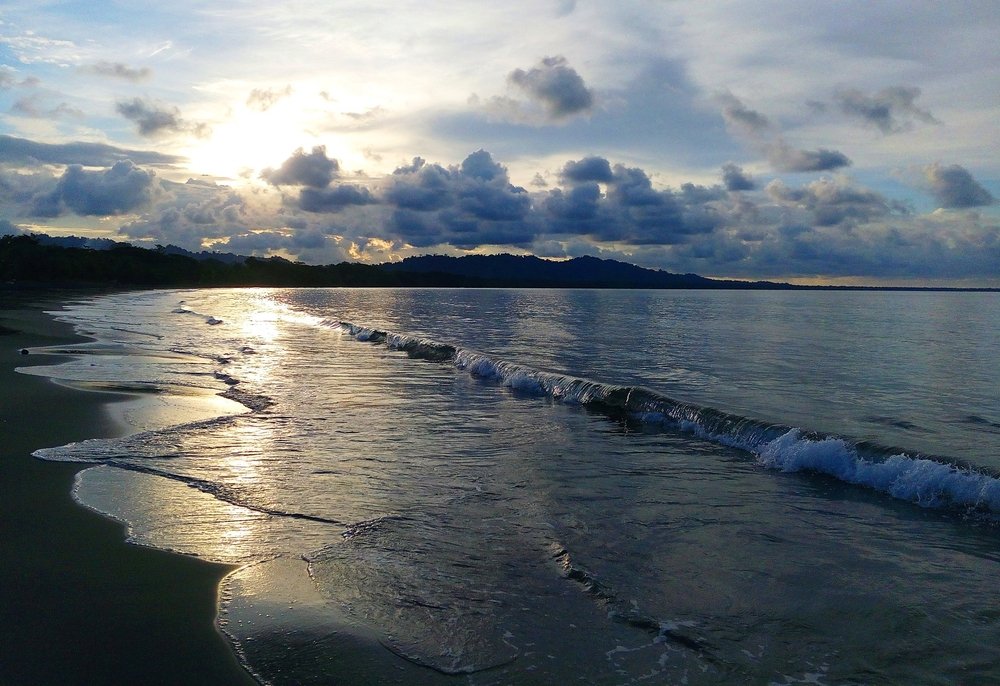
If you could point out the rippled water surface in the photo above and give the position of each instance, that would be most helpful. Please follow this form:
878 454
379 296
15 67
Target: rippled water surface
606 487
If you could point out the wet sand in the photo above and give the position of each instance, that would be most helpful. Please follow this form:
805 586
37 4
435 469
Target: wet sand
79 605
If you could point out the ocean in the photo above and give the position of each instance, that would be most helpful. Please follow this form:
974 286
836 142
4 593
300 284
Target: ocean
438 486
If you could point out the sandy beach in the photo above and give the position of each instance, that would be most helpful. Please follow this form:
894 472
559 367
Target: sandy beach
78 604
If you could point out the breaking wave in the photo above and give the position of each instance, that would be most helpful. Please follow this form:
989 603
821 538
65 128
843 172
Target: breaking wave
931 482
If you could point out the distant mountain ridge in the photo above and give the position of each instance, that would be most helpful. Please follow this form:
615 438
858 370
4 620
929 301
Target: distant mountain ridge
43 259
111 244
581 272
40 261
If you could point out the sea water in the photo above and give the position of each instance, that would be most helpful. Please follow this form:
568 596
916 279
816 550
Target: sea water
565 486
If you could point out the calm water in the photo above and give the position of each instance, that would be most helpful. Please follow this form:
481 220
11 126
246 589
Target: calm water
535 487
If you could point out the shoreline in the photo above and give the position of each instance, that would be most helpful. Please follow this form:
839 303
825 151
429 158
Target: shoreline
81 605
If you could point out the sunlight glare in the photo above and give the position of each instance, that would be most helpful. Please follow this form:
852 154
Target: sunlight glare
251 141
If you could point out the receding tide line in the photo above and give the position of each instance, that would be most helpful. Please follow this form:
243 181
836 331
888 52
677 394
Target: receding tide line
599 592
937 482
220 492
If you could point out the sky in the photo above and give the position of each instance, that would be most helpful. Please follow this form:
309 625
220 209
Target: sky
811 142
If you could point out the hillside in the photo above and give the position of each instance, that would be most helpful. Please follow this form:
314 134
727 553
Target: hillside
579 272
43 260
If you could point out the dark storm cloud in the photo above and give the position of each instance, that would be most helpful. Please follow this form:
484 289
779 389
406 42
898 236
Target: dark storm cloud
494 202
480 165
119 71
470 204
587 169
642 215
416 228
631 211
335 198
574 207
313 169
19 190
890 110
735 179
788 159
154 120
118 190
954 188
478 188
21 151
263 99
556 86
631 187
420 186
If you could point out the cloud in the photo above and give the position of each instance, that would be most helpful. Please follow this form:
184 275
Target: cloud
119 71
21 151
9 229
787 159
263 99
186 214
833 227
890 110
467 205
155 120
565 8
118 190
829 227
574 209
310 241
831 202
473 204
631 211
556 87
954 188
481 166
588 169
758 129
420 186
31 106
313 169
740 118
335 198
735 179
8 79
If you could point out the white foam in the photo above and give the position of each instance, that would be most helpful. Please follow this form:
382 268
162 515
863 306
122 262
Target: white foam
925 482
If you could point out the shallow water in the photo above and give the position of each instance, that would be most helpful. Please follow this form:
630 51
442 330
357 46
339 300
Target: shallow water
599 487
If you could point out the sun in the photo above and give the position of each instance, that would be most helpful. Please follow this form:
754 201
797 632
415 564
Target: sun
249 141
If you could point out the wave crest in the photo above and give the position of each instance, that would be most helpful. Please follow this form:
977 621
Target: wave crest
925 481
